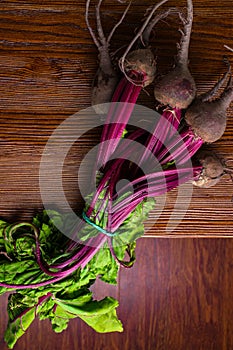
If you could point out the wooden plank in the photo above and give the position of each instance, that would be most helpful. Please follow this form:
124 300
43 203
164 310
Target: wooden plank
177 296
180 295
47 65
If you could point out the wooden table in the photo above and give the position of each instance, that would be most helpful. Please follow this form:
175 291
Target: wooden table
47 64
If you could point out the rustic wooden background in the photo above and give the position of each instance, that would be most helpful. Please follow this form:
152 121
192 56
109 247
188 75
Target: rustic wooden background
179 294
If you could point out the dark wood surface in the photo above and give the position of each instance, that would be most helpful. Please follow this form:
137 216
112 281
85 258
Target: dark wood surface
179 295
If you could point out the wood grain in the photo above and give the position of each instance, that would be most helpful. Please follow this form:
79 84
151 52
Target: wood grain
179 295
47 65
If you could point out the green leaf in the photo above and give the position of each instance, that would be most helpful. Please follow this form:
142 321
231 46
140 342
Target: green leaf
90 308
105 323
100 315
22 310
18 327
132 229
61 319
45 310
102 264
71 296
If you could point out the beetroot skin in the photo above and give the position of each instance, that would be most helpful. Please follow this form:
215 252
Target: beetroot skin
106 78
176 89
208 119
142 61
212 171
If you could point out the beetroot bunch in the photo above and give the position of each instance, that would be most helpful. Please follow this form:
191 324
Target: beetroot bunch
55 274
187 122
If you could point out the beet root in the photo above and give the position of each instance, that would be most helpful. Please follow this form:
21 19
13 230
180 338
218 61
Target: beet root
176 89
213 169
104 84
208 119
207 122
106 78
141 61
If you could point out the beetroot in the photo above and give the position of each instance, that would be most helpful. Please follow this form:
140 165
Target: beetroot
106 78
177 88
139 61
208 119
138 67
142 60
213 169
